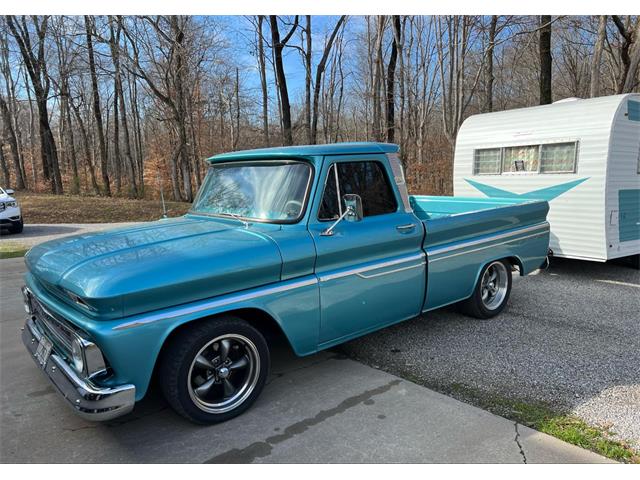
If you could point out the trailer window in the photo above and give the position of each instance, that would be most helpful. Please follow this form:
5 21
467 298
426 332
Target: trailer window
521 159
487 161
558 158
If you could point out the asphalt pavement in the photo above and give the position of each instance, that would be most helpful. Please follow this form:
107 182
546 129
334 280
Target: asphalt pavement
317 409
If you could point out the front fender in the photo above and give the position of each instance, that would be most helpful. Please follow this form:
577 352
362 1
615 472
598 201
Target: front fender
132 345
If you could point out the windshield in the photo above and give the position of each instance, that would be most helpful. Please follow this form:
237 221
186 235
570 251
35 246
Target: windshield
262 191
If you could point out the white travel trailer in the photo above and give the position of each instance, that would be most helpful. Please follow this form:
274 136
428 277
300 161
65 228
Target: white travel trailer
583 156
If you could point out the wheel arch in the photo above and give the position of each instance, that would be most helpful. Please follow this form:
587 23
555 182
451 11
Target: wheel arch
258 318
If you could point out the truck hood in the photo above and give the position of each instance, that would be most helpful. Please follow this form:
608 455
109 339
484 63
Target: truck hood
154 265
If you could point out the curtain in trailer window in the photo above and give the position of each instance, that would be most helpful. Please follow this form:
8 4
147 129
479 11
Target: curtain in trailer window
521 159
486 161
558 158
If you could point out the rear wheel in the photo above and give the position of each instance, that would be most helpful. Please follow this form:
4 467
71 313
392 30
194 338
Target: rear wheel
491 293
214 371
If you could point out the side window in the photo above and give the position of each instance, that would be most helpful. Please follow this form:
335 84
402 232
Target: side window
521 159
367 179
329 208
486 161
558 157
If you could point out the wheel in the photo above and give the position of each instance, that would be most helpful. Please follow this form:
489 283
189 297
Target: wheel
215 370
17 227
491 293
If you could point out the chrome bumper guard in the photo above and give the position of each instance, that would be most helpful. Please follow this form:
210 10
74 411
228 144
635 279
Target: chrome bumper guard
87 400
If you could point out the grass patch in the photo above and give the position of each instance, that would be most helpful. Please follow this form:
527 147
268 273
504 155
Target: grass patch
45 208
12 249
544 418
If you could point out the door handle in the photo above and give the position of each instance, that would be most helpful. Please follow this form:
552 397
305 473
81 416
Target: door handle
406 228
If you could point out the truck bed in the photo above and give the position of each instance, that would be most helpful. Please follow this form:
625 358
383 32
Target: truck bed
462 234
449 220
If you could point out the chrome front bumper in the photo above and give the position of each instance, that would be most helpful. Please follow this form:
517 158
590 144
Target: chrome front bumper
87 400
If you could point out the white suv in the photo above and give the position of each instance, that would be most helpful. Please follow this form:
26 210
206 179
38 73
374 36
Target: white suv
10 216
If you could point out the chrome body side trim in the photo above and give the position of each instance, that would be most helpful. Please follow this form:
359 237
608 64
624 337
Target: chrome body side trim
86 399
542 228
389 263
373 275
510 238
220 302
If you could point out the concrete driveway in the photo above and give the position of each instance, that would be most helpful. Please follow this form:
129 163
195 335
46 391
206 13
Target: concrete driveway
322 408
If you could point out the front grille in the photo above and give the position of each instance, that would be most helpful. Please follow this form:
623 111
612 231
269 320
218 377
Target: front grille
55 329
2 207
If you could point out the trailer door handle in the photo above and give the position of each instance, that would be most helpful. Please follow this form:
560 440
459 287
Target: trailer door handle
406 228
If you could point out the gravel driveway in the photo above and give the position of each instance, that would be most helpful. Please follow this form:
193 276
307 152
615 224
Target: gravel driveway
570 337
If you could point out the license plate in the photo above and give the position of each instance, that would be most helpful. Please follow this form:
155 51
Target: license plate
43 350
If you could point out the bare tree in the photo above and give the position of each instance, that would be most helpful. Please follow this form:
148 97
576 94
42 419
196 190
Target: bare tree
320 68
34 58
97 112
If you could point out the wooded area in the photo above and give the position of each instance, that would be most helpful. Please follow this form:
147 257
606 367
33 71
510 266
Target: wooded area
113 105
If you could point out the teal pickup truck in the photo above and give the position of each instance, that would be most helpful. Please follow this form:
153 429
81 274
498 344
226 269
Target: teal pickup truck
320 244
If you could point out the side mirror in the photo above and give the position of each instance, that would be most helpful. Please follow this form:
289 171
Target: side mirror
9 191
353 204
352 212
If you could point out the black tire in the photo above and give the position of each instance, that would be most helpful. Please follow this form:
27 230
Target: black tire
475 306
17 227
178 372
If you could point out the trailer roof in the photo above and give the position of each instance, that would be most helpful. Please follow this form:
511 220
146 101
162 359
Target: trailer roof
300 151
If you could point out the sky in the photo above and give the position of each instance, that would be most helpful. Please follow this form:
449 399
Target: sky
240 31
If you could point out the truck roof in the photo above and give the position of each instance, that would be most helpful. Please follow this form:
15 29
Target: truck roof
345 148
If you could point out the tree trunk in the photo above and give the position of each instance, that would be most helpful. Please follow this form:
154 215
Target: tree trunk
6 175
285 107
307 80
87 148
263 84
10 134
488 78
318 83
631 80
545 60
391 76
97 112
594 87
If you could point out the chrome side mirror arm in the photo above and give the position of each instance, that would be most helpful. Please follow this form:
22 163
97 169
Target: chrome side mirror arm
329 231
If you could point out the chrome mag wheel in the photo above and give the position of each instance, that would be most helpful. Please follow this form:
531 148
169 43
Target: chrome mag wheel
223 373
494 285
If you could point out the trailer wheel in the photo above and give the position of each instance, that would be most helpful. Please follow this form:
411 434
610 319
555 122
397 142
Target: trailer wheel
215 370
491 293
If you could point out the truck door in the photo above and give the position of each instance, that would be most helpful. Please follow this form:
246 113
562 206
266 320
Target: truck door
371 272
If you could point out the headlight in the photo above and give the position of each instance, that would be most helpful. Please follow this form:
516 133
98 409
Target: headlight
10 204
77 355
86 357
26 300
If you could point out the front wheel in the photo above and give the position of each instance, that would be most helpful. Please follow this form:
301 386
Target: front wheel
215 370
17 227
491 293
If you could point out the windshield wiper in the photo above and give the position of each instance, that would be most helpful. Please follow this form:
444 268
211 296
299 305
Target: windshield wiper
236 216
